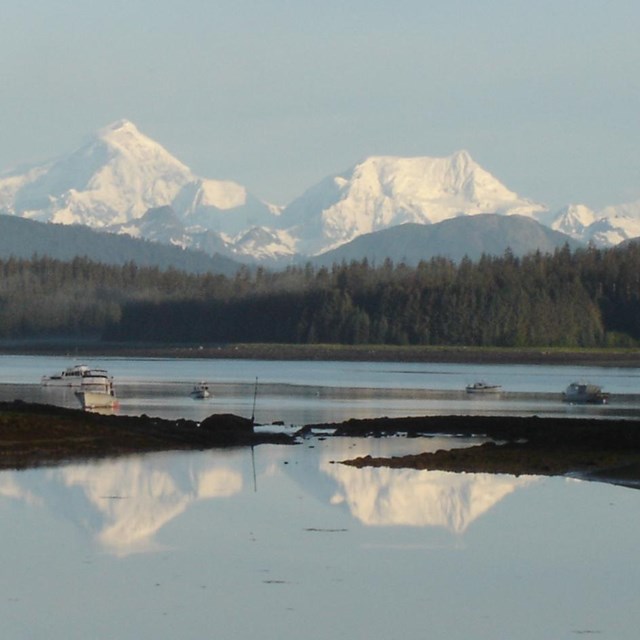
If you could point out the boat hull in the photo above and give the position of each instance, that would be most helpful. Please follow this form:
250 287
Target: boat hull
96 399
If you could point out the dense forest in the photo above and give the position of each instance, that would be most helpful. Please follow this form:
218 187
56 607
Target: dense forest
588 297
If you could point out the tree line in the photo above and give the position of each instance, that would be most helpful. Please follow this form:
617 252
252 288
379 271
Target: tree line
584 298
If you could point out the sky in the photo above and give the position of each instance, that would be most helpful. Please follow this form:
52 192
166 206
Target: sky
279 94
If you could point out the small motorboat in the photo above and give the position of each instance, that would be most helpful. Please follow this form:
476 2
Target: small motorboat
200 391
483 387
585 393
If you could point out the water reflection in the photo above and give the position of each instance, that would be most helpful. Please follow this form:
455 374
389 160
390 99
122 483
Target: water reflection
385 497
319 550
123 504
403 497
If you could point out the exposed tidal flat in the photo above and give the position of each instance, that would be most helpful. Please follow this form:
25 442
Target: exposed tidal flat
33 435
587 448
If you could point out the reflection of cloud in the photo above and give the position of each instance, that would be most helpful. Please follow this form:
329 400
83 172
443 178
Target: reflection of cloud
383 496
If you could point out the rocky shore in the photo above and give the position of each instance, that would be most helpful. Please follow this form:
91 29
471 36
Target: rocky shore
596 449
33 435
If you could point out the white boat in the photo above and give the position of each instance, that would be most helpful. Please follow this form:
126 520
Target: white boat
483 387
80 375
200 391
96 399
585 393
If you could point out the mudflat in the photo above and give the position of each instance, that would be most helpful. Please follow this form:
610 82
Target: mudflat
593 449
33 435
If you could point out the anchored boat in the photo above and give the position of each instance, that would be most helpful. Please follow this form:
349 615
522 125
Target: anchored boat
585 393
97 399
200 391
483 387
79 375
94 387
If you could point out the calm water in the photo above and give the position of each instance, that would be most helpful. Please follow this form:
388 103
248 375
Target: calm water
197 546
311 392
283 542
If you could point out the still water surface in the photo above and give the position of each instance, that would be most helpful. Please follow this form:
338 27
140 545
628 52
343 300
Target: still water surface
193 545
312 392
284 542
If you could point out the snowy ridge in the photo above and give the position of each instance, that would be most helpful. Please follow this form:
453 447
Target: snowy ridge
605 228
114 179
573 220
119 178
385 191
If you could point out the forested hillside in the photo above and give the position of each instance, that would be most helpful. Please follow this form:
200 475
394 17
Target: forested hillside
584 298
21 238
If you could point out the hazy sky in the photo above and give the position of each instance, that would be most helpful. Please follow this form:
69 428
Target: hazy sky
278 94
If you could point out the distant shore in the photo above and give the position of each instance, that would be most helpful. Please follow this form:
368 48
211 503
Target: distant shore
364 353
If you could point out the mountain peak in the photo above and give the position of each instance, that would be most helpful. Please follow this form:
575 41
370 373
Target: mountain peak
116 176
125 136
119 126
122 133
384 191
462 155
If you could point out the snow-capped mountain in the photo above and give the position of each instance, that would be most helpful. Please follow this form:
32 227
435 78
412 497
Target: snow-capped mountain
574 219
383 192
122 181
614 224
116 177
604 228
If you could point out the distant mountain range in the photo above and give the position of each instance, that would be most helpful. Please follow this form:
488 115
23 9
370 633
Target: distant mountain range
123 182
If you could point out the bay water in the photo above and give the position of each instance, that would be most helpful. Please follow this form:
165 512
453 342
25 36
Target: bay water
286 542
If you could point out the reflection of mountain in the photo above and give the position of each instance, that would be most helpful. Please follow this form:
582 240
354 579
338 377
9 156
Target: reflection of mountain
404 497
124 503
135 501
419 498
10 488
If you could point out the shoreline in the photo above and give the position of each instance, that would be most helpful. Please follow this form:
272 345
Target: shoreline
591 449
611 357
35 435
